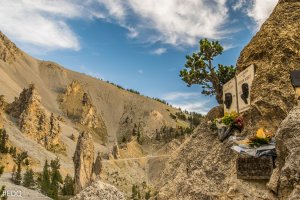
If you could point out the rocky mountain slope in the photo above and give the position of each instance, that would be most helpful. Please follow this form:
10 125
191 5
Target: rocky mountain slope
45 108
204 168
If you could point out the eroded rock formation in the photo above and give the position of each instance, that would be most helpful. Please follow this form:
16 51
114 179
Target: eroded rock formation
274 50
33 120
115 151
100 190
77 105
8 50
83 162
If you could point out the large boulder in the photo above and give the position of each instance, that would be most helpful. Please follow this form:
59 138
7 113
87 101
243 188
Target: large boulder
99 190
274 50
286 179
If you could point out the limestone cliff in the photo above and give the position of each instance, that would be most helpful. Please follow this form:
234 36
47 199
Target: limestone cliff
33 120
83 162
77 105
8 50
100 190
274 50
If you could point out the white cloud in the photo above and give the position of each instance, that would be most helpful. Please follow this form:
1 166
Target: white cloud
199 107
190 101
239 4
159 51
44 23
40 23
178 22
257 10
261 10
179 95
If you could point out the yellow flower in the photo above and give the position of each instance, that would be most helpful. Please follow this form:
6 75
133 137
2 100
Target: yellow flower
261 134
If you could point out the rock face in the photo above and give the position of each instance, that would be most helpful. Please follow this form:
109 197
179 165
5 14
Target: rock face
100 190
8 50
78 106
204 168
33 120
286 179
274 50
83 162
115 151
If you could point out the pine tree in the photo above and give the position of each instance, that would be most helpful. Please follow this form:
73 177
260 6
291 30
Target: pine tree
28 179
18 177
56 178
68 187
147 195
45 179
13 174
2 189
3 141
134 192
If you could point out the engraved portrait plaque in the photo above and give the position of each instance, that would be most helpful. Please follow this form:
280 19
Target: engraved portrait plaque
229 96
244 82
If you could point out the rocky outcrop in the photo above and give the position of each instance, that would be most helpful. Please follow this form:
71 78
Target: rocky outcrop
115 151
77 105
274 50
83 162
8 50
204 168
33 120
100 190
285 181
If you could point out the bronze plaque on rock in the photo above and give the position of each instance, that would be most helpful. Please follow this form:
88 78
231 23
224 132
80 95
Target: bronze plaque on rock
254 168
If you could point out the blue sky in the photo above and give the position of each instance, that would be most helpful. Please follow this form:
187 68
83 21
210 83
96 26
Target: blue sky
138 44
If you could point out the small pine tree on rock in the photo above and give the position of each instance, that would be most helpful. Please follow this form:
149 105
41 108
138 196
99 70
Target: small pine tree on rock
68 187
18 176
28 179
2 189
45 180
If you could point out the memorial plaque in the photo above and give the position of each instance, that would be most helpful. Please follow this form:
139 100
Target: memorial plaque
244 82
229 96
254 168
295 78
